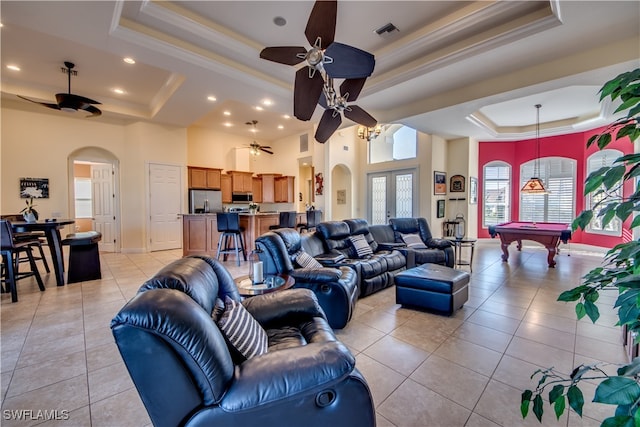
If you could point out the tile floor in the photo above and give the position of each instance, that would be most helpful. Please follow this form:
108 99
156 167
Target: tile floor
423 369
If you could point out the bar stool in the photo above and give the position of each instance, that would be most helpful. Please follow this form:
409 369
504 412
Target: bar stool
286 219
11 251
314 217
229 228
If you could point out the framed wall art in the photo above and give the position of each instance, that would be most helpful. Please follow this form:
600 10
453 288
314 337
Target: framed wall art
38 188
456 184
439 183
440 209
473 190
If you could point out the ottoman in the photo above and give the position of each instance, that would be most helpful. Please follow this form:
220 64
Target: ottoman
433 287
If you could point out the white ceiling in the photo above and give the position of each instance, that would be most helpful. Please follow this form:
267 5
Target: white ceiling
454 68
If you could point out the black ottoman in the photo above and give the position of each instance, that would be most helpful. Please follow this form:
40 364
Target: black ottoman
433 287
84 256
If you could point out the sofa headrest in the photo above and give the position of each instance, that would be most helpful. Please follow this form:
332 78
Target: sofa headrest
404 225
333 230
273 252
202 278
291 239
357 226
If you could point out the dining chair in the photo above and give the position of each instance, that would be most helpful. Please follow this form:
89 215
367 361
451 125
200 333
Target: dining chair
36 239
11 251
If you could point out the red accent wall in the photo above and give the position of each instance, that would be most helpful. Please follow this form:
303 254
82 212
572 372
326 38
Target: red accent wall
573 146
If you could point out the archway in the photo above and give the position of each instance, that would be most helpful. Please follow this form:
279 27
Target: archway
94 194
341 193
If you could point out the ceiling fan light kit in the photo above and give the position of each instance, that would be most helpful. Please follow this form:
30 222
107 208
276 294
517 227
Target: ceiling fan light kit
69 102
326 60
254 147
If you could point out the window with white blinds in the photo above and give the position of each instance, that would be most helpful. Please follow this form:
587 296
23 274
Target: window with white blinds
559 177
594 162
496 191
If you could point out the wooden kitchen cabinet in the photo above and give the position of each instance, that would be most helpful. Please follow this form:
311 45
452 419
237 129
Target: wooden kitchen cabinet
284 189
268 187
204 178
241 182
225 186
257 190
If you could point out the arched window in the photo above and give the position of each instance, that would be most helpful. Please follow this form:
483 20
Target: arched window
559 177
596 161
496 192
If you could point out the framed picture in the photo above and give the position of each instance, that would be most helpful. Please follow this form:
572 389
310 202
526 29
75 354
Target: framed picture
38 188
440 209
341 197
473 190
456 185
439 183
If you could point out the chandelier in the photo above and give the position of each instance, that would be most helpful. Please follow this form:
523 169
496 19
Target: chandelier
535 184
369 133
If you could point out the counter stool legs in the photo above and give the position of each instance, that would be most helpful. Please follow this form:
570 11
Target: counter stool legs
237 248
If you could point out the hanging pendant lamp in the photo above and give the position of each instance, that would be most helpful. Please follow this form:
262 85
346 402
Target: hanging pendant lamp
535 184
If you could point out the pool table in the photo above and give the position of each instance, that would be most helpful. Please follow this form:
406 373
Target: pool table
547 233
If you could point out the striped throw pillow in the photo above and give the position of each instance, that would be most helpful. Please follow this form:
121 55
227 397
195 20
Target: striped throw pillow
242 331
305 260
413 241
360 246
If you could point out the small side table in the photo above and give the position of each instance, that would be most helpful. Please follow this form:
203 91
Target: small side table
458 245
272 283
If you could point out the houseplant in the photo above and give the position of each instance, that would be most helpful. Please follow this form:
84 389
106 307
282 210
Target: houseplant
28 212
620 270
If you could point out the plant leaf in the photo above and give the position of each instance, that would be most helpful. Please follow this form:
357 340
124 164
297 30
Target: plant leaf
592 311
618 421
631 369
524 405
580 310
576 399
556 392
617 391
537 407
559 406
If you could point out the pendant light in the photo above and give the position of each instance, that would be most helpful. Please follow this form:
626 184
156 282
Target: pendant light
535 184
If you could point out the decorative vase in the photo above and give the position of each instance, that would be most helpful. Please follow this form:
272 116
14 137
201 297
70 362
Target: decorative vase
460 230
252 211
29 216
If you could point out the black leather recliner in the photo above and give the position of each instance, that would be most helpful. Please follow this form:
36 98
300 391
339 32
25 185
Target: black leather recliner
184 372
438 251
336 288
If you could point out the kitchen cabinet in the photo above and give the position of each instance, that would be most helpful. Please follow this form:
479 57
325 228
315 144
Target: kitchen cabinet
257 190
241 182
284 189
268 187
204 178
225 186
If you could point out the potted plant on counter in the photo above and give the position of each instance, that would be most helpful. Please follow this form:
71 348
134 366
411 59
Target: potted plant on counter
28 212
253 208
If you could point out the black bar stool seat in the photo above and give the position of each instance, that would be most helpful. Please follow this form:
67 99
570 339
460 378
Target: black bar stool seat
230 230
84 256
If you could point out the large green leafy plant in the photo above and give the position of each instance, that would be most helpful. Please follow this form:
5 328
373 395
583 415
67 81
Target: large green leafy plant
620 270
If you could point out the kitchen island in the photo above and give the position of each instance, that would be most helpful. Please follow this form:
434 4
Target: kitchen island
200 231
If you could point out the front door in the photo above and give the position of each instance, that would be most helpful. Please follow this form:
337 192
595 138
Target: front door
392 194
165 195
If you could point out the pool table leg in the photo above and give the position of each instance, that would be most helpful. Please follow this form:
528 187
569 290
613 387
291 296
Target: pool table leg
519 245
551 256
505 251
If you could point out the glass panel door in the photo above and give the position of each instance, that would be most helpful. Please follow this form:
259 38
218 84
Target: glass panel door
391 194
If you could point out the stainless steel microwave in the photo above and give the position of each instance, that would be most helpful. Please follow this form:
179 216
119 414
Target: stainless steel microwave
241 197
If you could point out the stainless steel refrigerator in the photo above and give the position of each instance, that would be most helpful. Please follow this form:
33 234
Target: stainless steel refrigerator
205 201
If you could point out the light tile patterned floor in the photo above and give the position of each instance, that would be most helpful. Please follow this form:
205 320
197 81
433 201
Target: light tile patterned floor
423 369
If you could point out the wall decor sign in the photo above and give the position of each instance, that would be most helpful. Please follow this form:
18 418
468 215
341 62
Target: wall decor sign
456 185
440 209
439 183
38 188
342 197
473 190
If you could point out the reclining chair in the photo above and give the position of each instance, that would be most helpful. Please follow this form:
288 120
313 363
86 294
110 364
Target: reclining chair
426 248
186 375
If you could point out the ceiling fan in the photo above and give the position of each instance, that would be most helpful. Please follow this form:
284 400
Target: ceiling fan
254 147
326 60
68 101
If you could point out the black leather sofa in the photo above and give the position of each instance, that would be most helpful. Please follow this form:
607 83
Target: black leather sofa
437 251
375 272
185 373
336 288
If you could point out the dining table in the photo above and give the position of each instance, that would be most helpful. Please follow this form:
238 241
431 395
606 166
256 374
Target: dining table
51 229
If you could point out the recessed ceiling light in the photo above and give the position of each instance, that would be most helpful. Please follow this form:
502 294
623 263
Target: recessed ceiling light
227 113
13 67
227 124
267 102
259 108
286 116
212 98
119 91
129 60
280 127
279 21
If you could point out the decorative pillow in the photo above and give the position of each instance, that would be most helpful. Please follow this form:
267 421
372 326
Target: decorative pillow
243 332
360 246
413 241
218 309
305 260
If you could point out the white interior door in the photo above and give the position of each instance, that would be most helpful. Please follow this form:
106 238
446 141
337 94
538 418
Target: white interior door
103 198
165 195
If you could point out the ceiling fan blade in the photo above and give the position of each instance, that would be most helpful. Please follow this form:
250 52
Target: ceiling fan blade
322 23
46 104
348 62
266 151
323 101
353 87
284 54
329 122
265 146
306 92
73 99
95 112
358 115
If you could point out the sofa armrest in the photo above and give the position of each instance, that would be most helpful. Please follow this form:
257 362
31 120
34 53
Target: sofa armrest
272 376
286 307
330 259
439 243
388 246
321 275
